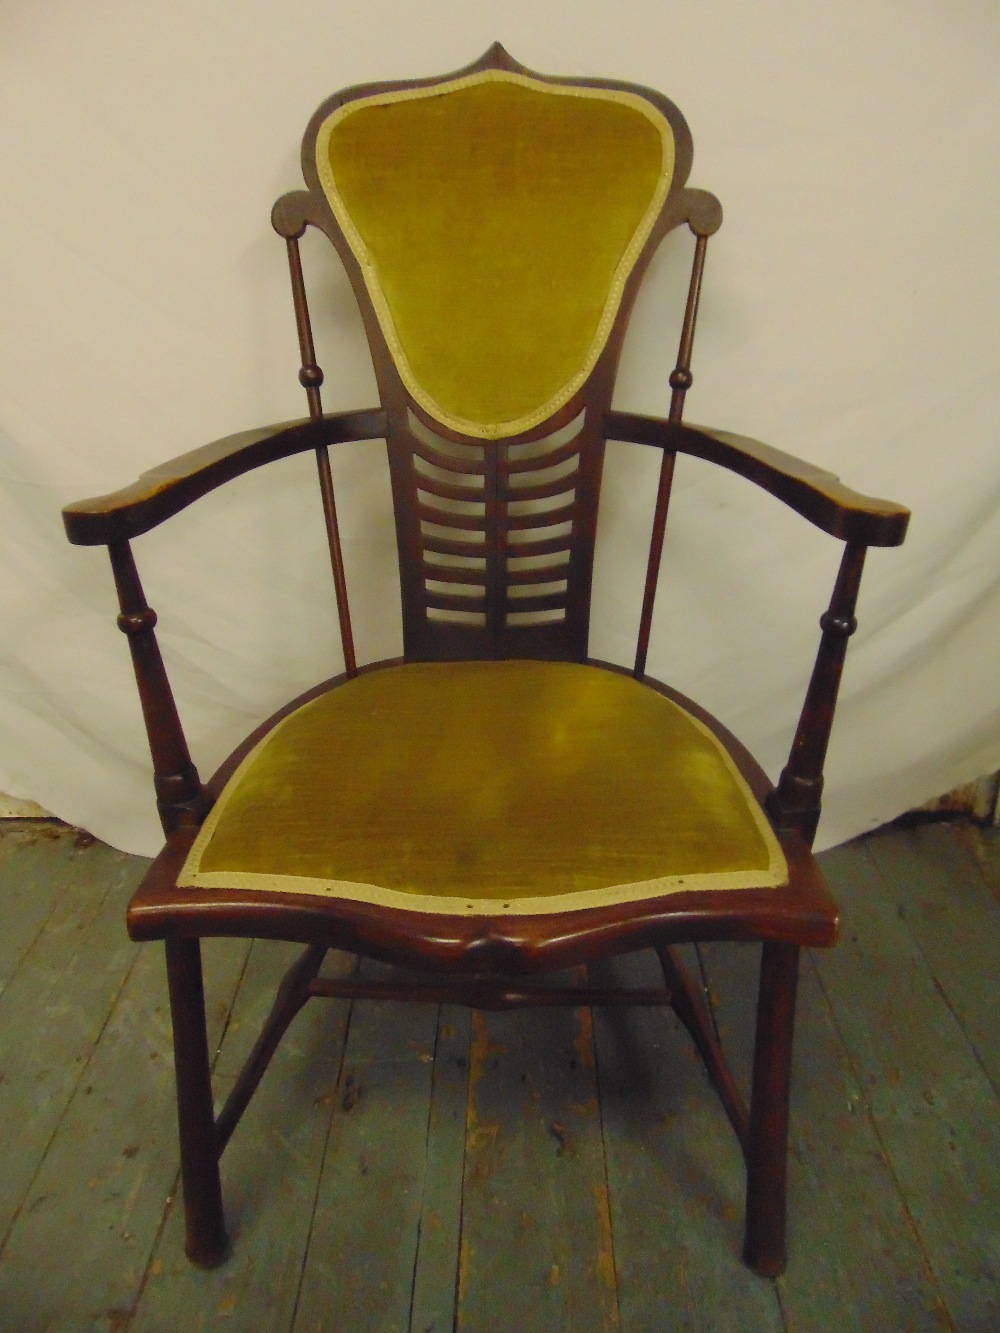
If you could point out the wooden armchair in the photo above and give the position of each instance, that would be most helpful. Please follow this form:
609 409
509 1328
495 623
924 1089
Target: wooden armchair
495 804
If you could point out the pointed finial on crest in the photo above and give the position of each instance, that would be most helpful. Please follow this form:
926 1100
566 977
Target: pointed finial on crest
497 57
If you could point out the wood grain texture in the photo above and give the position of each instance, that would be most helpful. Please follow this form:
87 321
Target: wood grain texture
937 893
359 1265
855 1260
110 1170
55 1004
812 492
170 487
982 849
675 1176
891 1226
536 1238
434 1281
269 1170
34 861
933 1106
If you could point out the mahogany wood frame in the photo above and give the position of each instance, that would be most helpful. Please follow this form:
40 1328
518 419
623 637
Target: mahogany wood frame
482 961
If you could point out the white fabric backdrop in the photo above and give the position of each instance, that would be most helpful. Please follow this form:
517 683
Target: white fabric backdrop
850 315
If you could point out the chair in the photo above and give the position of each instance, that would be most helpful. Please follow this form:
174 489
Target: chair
495 804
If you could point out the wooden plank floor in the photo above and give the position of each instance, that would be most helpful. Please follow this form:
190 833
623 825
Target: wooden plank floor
422 1169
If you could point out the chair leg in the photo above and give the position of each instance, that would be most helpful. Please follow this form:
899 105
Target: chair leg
203 1216
767 1154
688 1003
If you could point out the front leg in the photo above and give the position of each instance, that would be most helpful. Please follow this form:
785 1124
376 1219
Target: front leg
767 1150
204 1221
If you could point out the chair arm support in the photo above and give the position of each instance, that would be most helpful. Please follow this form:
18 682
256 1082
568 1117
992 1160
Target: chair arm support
817 495
796 801
165 490
180 797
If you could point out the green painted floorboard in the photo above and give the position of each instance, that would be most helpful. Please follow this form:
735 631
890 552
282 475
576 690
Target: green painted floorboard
419 1169
853 1254
362 1247
536 1246
269 1169
675 1176
434 1282
57 1002
933 1106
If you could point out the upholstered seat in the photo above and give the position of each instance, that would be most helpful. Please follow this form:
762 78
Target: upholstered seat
487 787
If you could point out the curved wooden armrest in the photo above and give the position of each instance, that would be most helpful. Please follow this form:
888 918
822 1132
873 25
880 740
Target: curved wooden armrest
815 494
172 486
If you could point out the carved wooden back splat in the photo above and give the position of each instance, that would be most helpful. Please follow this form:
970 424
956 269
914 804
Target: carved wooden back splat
496 540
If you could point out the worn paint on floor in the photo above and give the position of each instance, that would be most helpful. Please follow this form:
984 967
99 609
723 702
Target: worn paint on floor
423 1169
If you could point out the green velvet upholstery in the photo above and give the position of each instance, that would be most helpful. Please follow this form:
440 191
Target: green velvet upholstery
487 787
496 219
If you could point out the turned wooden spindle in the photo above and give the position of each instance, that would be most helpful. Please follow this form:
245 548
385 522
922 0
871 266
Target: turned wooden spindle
180 797
681 380
311 379
796 801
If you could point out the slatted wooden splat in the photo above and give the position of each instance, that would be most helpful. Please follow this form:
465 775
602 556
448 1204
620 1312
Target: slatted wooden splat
501 535
450 482
539 499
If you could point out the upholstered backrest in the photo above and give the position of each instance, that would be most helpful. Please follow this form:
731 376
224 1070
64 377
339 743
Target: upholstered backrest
495 219
495 224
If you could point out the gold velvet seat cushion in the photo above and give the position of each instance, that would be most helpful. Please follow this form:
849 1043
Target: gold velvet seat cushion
496 219
483 787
